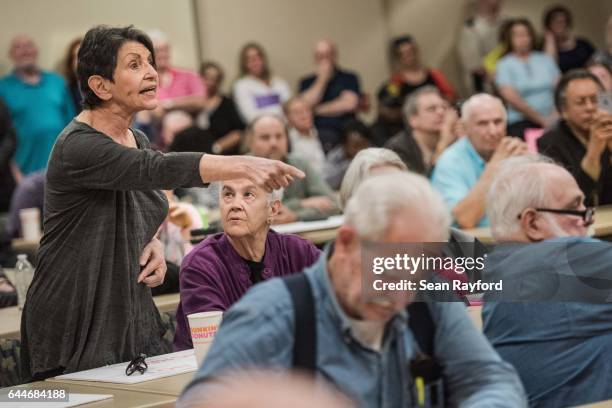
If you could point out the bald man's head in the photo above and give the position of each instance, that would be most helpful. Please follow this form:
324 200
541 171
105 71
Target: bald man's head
23 52
325 50
268 137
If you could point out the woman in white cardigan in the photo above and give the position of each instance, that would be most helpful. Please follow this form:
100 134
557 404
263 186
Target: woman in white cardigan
257 91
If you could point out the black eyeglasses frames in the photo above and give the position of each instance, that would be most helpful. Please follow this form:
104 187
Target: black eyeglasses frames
587 215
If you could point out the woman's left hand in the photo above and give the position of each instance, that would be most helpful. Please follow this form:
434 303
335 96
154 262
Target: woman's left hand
152 259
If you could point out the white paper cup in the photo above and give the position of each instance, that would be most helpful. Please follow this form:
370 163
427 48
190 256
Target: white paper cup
203 327
30 223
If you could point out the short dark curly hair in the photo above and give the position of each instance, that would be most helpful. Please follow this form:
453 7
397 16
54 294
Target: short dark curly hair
557 9
355 126
98 56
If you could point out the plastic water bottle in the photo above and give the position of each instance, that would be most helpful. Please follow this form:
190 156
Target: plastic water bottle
24 272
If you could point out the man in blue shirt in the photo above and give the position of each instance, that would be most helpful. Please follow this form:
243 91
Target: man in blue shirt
553 321
39 103
463 173
331 92
364 344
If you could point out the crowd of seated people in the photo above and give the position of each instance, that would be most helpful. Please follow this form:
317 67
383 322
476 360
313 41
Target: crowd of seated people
527 153
323 102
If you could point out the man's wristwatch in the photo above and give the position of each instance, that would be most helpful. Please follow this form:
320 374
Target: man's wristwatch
216 148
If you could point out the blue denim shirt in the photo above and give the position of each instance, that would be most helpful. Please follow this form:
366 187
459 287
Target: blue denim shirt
258 332
561 350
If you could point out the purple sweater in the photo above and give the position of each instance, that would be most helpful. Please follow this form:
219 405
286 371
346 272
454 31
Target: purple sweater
213 276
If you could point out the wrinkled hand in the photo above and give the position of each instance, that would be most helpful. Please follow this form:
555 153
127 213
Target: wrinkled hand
270 174
509 147
152 258
459 129
600 135
285 216
448 134
320 203
179 216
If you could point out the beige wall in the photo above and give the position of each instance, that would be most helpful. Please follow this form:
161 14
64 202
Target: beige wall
54 23
362 28
288 28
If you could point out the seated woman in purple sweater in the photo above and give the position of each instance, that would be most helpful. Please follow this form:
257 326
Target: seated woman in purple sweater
219 270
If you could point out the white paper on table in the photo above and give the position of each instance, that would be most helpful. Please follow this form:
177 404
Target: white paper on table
162 366
305 226
73 401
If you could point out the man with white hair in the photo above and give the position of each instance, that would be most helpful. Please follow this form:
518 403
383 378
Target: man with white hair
553 321
219 270
464 172
370 347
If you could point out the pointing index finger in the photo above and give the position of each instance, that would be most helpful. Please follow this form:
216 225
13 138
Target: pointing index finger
293 171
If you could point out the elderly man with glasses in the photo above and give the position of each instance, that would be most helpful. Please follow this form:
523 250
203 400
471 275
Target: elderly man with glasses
553 320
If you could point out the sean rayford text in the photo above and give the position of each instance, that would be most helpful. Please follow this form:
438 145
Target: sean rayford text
413 264
424 284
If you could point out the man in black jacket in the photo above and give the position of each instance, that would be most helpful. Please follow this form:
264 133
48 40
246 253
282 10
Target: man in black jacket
582 139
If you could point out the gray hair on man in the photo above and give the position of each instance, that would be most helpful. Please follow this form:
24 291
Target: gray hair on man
478 100
516 186
411 104
381 197
362 164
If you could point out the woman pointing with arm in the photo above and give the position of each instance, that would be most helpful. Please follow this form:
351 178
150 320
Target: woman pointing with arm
90 302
